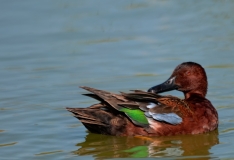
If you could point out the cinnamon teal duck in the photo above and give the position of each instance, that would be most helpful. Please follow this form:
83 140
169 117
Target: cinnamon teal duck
150 114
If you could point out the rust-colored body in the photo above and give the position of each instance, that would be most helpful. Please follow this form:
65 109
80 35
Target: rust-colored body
170 115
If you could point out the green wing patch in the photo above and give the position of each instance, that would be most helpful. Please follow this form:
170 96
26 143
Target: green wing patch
136 115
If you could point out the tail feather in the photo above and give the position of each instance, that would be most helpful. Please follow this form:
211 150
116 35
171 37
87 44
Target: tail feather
97 106
94 96
111 99
100 93
99 120
86 117
80 116
92 122
85 113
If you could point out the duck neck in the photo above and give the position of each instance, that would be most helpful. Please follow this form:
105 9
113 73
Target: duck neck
187 95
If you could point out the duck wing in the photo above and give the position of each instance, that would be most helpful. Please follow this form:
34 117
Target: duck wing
119 103
167 109
140 106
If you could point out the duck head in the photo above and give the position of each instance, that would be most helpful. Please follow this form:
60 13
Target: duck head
188 77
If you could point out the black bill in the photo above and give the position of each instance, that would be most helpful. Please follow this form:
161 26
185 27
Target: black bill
164 87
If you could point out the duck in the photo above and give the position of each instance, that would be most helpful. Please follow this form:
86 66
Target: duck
149 113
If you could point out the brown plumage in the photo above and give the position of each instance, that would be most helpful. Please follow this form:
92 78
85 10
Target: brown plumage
151 114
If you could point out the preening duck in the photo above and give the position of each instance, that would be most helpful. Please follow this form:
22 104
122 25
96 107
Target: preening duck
151 114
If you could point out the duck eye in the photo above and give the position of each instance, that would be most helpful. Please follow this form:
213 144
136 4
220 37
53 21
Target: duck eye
188 73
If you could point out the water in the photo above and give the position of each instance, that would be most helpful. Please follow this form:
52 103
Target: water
49 48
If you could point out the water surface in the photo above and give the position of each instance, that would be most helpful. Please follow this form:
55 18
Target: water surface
49 48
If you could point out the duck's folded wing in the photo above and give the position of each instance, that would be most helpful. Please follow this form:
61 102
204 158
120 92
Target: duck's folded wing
142 107
164 113
159 113
166 109
119 102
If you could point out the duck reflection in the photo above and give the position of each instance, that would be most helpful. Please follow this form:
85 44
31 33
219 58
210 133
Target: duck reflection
102 146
